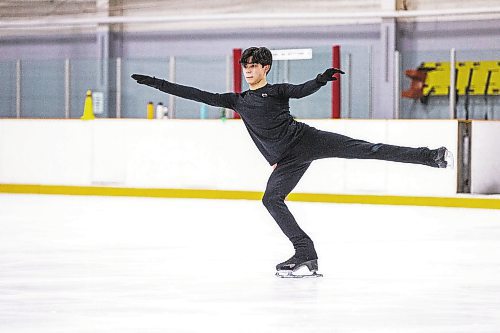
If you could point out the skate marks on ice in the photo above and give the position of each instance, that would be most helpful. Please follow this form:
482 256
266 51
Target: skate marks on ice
128 265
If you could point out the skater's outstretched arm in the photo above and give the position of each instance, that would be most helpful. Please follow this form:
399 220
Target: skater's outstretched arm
309 87
220 100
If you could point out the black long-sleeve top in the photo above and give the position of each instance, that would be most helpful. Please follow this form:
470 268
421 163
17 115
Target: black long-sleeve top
264 111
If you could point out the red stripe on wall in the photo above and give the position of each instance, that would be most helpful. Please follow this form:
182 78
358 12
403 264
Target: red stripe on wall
237 74
336 84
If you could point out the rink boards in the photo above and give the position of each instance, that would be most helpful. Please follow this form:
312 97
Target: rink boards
198 158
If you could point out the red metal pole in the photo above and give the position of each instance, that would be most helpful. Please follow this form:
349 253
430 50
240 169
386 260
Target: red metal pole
336 84
237 74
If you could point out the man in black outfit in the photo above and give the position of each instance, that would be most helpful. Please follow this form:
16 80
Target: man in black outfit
290 146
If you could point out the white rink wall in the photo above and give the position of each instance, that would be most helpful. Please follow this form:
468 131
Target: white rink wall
210 154
485 157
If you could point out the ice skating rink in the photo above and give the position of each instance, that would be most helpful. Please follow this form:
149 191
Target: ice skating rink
109 264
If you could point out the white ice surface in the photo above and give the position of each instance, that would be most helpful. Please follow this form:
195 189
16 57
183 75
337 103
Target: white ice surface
103 264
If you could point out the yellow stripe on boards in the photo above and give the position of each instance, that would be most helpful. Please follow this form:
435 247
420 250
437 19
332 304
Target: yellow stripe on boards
132 192
398 200
464 202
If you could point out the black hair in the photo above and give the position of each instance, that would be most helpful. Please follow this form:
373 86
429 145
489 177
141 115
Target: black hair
260 55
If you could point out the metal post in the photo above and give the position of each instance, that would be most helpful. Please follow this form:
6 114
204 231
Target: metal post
385 87
286 71
67 88
171 78
397 83
453 102
229 81
349 84
386 54
118 87
370 83
18 88
464 157
103 35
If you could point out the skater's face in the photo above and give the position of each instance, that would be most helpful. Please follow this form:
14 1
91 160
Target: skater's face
255 74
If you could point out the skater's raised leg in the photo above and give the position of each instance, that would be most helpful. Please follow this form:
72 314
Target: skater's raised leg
317 144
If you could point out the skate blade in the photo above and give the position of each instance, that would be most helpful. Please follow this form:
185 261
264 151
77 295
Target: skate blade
292 275
302 272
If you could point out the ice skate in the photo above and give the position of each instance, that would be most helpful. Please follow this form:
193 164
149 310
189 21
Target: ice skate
443 158
298 268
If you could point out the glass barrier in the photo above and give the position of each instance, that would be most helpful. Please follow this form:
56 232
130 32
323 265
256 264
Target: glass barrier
135 97
56 88
42 89
356 88
207 73
8 89
317 105
84 73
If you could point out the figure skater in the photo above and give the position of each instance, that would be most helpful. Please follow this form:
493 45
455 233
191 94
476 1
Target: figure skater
290 146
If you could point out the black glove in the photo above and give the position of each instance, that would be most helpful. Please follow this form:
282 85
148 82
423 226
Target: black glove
147 80
328 75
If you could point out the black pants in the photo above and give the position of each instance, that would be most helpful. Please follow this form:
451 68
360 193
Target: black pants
316 144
